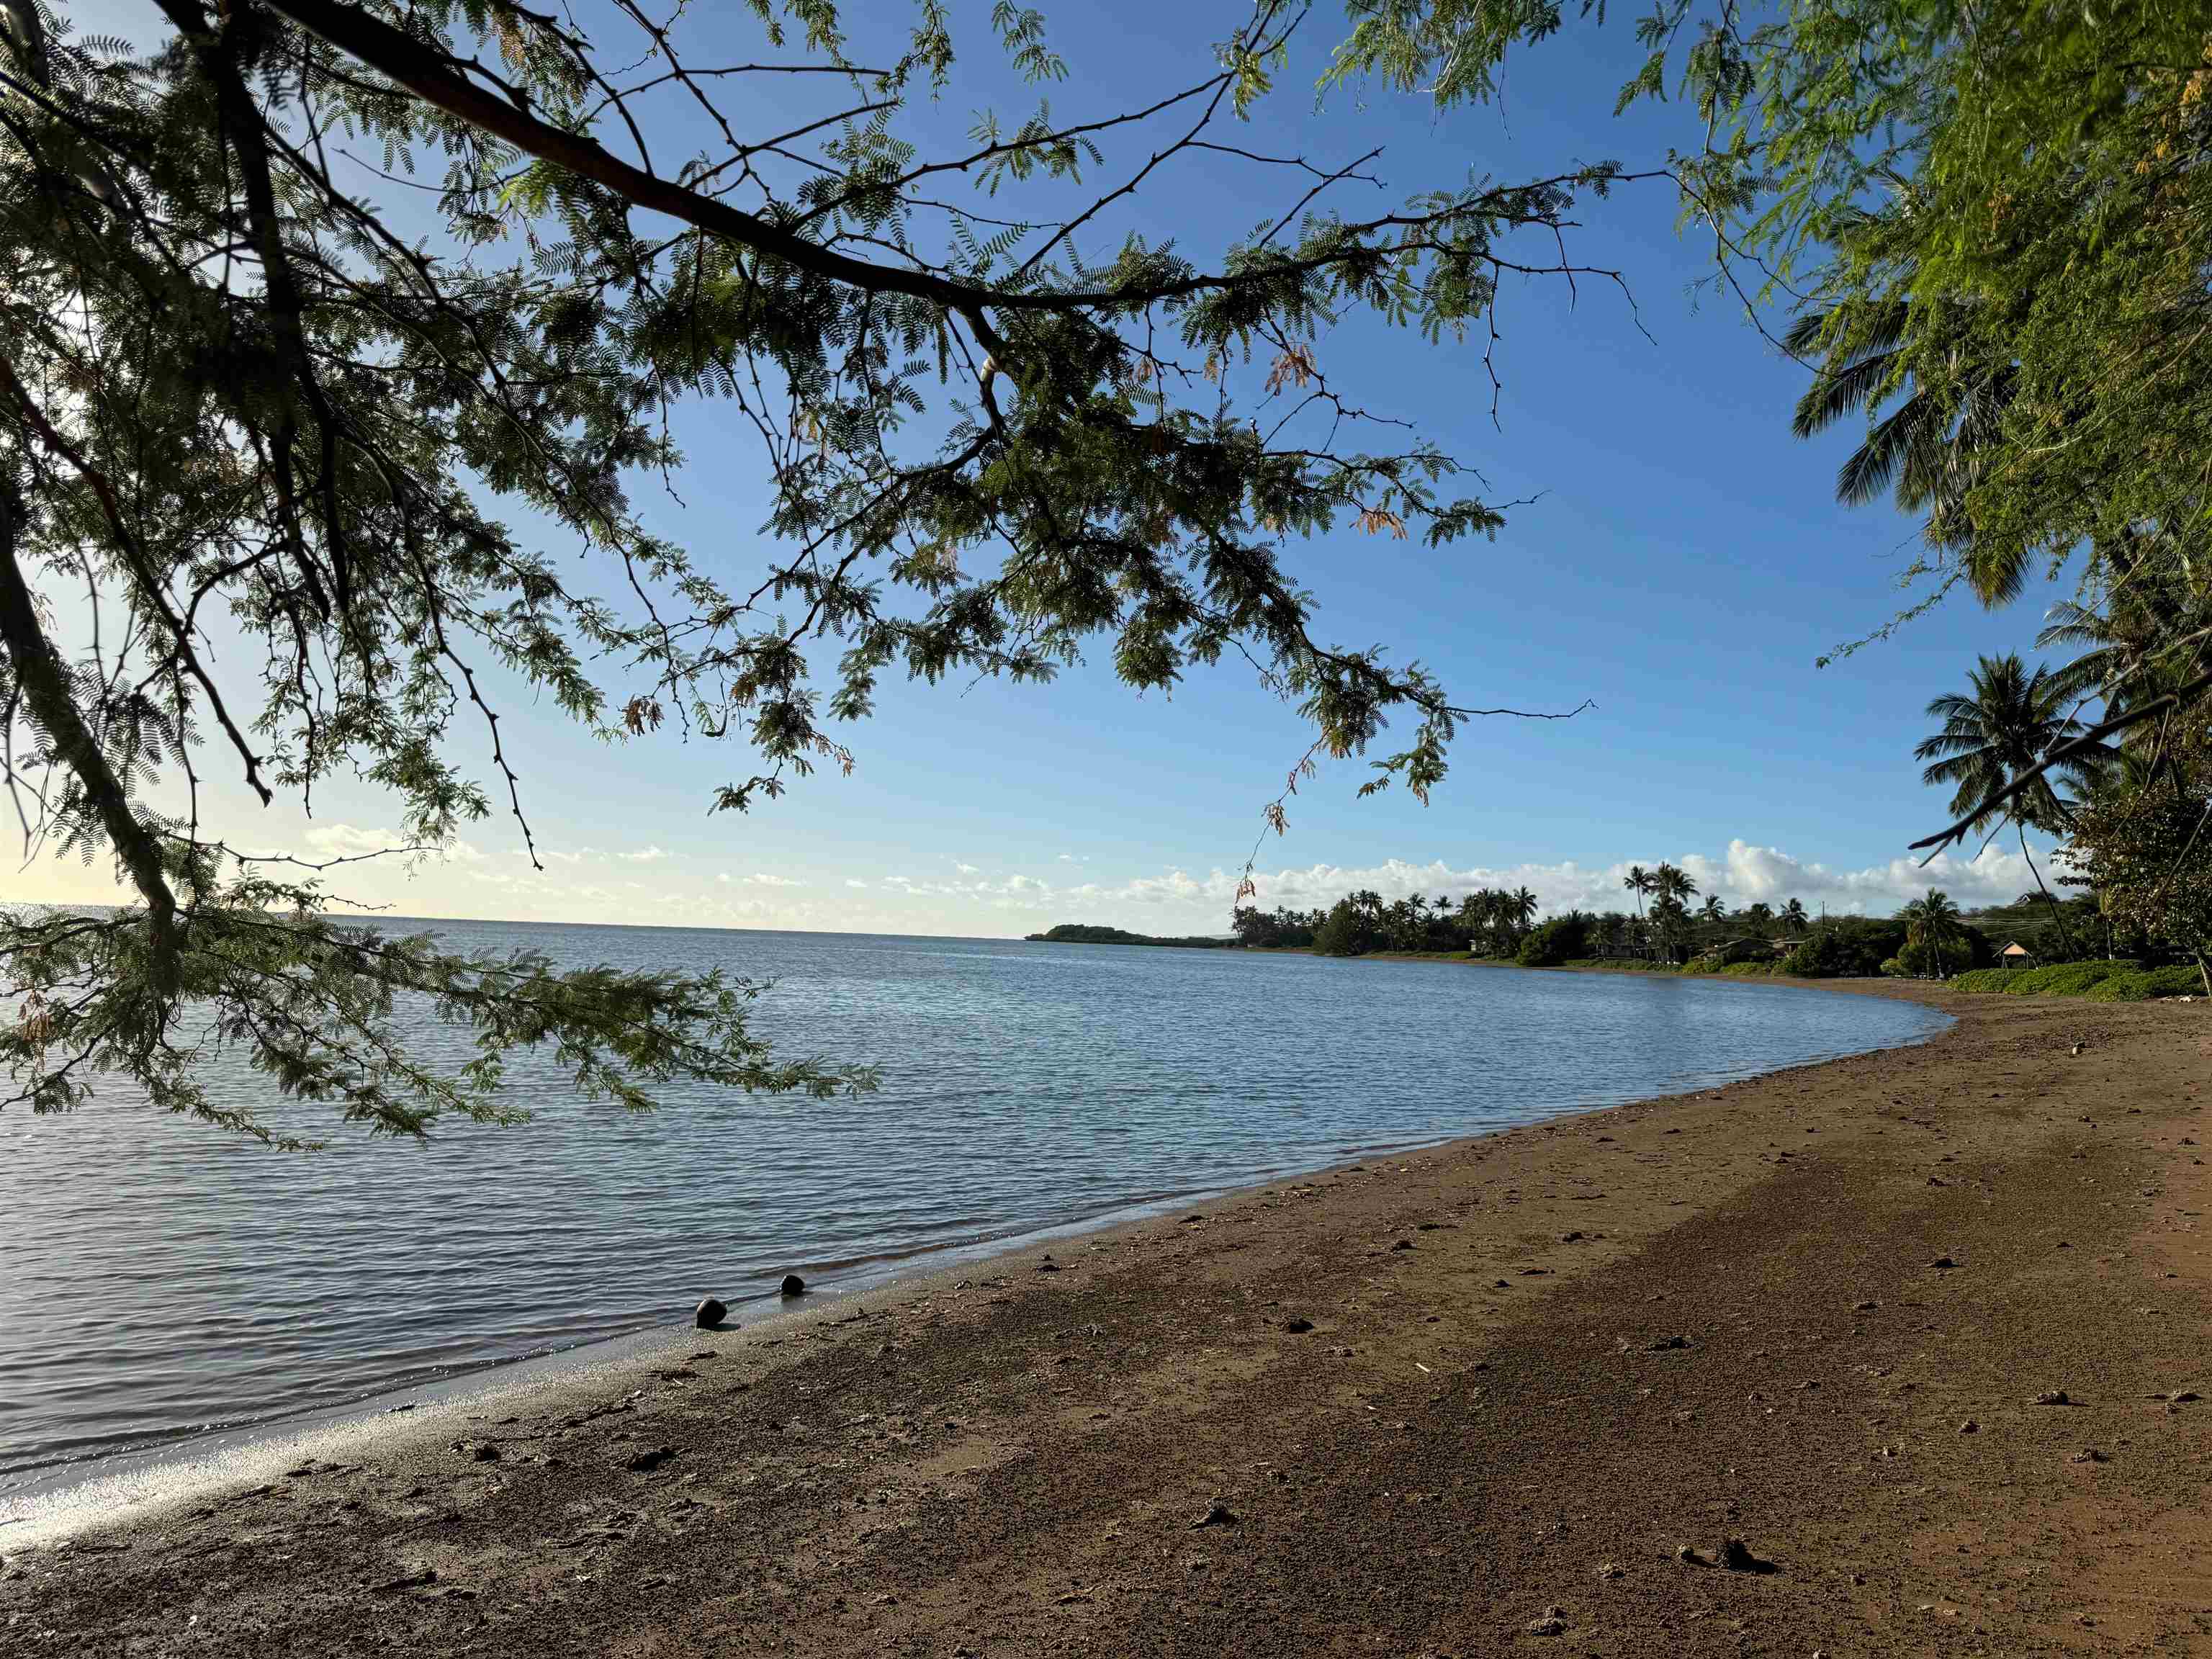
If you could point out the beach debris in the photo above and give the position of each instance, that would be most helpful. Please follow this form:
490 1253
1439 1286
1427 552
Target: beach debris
479 1451
2089 1455
411 1581
1969 1427
1531 1272
709 1314
1943 1261
1572 1237
2075 1050
792 1285
2183 1397
651 1458
1403 1244
1218 1514
1864 1307
1610 1570
394 1411
1550 1622
2054 1397
1666 1344
1297 1327
1735 1556
1048 1266
1692 1555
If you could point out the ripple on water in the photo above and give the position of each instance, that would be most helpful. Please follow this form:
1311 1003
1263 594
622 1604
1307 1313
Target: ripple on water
164 1279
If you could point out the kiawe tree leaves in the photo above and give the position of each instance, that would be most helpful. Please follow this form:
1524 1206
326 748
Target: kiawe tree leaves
240 393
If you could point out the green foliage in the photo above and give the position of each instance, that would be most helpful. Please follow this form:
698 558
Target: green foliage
2094 982
1348 930
1981 982
2141 984
1074 933
2061 979
238 399
2140 843
1558 940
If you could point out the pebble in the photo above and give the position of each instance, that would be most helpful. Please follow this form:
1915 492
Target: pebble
1969 1427
1297 1327
709 1314
1218 1514
793 1286
2053 1397
651 1458
1547 1623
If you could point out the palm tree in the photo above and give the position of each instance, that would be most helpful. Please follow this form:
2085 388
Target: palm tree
1932 923
1792 916
2008 721
1714 910
1930 449
1521 906
1761 916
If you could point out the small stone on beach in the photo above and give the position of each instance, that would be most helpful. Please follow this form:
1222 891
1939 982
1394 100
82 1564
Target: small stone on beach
2053 1397
651 1458
1969 1427
793 1286
1297 1327
1218 1514
709 1314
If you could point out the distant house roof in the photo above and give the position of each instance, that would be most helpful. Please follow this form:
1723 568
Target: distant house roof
2016 949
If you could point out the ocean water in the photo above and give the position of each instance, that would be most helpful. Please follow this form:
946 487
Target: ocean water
163 1280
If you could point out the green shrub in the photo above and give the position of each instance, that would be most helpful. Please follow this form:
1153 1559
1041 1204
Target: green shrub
1702 965
1983 982
2141 984
1563 938
1893 968
2063 979
1748 969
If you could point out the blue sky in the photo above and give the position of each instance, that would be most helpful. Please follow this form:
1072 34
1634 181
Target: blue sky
1682 566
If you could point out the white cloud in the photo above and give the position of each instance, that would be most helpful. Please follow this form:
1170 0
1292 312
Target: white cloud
761 878
646 855
967 870
853 881
1070 858
350 840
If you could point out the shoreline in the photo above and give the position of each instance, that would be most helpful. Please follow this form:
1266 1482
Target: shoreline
50 1501
1478 1419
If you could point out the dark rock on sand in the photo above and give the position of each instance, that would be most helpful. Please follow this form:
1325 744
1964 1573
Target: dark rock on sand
1736 1555
2053 1397
1297 1327
651 1458
1218 1514
710 1313
793 1286
1666 1344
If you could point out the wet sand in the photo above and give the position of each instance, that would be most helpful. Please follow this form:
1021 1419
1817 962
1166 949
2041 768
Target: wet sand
1539 1364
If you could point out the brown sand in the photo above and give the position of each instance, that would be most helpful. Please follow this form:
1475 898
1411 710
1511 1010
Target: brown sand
1540 1362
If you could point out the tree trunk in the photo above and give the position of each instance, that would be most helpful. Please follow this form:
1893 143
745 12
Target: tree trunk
45 687
2058 920
2204 973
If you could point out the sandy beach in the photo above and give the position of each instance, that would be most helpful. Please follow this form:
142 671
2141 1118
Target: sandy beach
1516 1394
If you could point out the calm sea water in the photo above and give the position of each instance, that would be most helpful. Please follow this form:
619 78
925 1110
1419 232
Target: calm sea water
162 1279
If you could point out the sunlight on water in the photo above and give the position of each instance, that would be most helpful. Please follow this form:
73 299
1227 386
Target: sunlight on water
163 1278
